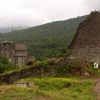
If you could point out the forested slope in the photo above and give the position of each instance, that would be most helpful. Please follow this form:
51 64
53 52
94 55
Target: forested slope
46 40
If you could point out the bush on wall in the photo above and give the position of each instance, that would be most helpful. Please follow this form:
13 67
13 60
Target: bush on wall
5 65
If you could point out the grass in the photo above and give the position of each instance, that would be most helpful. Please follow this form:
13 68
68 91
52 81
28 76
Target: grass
50 88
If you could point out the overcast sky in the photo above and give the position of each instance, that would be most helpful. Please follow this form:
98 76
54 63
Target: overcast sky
35 12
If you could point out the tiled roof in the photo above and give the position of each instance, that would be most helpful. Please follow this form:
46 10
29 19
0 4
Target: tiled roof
17 46
20 47
6 42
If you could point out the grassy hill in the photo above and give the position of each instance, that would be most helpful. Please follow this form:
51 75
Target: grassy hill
46 40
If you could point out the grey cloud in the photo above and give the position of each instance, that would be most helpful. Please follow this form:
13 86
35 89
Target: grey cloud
93 4
35 12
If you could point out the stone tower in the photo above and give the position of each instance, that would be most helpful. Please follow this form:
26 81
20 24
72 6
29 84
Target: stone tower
86 42
14 52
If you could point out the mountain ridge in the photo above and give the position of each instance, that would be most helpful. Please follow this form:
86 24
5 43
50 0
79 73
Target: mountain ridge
46 40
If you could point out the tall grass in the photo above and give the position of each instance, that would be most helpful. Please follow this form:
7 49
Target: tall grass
51 88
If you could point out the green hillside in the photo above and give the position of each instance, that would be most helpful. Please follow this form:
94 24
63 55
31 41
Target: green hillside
46 40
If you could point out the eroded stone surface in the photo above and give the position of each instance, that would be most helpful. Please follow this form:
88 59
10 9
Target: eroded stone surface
86 43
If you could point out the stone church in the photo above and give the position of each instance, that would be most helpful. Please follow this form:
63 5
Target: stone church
14 52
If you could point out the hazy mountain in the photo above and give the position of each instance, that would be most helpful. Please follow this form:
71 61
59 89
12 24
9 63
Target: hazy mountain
10 29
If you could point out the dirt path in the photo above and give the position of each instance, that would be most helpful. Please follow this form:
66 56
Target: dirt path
97 89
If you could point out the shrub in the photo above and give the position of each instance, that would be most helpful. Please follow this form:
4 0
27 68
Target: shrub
68 69
5 65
